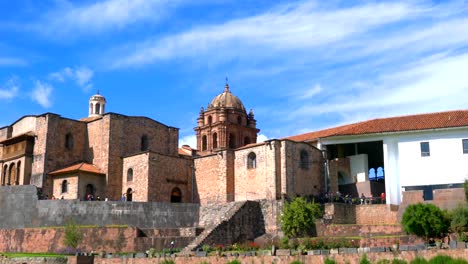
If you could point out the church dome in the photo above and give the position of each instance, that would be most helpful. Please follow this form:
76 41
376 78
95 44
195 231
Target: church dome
97 97
227 100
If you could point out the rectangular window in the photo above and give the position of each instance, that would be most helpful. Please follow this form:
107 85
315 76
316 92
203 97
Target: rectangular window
465 146
425 152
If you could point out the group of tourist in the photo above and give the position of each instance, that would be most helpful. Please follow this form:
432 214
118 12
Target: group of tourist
350 199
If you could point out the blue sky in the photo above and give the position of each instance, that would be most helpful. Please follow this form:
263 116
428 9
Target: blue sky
300 65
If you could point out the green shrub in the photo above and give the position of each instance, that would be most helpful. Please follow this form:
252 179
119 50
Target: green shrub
329 261
425 220
384 261
364 260
167 261
206 248
284 242
73 235
297 262
236 261
299 216
419 260
398 261
459 221
442 259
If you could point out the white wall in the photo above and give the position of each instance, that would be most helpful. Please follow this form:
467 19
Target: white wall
359 167
446 163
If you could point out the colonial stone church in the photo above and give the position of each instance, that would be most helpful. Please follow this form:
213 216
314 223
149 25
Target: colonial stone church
110 155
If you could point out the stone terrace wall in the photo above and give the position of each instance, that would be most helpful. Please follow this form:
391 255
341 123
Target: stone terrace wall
20 208
373 214
51 240
344 258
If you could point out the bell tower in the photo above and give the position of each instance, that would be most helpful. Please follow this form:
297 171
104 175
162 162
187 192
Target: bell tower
225 124
97 105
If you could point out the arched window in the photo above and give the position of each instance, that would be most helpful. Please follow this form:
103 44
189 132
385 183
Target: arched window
251 161
215 140
246 140
64 186
11 174
232 141
204 143
97 108
144 143
130 174
18 173
304 160
210 120
4 176
239 120
176 195
69 141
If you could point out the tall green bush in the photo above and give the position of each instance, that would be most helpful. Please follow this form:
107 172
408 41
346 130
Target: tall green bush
73 235
299 216
459 223
425 220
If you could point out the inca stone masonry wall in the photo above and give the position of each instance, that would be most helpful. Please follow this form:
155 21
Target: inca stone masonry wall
21 209
374 214
341 258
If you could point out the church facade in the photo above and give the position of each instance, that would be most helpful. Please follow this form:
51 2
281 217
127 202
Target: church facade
114 156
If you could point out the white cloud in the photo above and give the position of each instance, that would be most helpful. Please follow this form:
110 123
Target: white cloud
41 94
432 85
101 16
10 61
9 90
81 75
308 93
261 138
190 140
301 27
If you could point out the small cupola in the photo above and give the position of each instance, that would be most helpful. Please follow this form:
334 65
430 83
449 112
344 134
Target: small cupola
97 105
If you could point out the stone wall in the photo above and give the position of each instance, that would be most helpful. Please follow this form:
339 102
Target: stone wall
303 179
211 178
20 209
166 173
339 258
258 182
373 214
245 224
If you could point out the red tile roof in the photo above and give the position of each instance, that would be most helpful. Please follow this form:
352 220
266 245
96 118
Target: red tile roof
80 167
449 119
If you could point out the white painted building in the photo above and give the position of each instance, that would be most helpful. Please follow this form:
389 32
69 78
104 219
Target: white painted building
418 152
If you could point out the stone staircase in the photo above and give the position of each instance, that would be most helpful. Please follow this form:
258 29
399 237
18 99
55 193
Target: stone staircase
211 227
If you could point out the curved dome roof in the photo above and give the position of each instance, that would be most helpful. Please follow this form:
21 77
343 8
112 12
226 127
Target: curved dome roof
226 99
97 97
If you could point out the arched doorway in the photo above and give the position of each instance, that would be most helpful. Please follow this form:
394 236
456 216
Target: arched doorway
129 194
89 195
176 195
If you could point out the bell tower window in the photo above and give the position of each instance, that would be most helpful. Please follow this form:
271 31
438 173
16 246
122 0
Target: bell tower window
69 141
204 143
215 140
144 143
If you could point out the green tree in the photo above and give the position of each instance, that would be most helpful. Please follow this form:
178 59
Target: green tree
459 222
425 220
73 235
465 186
299 216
